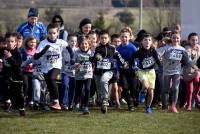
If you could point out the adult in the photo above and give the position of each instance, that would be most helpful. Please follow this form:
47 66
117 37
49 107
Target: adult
32 26
85 27
57 19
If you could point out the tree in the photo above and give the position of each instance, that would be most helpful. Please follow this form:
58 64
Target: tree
126 17
100 21
51 11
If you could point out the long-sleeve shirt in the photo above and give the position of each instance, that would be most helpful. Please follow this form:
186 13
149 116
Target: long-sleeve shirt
147 58
173 58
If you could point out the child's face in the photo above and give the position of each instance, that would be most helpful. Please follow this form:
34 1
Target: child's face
73 41
125 37
93 39
11 42
194 40
53 33
19 43
176 39
147 42
104 39
3 44
86 28
116 42
84 46
32 43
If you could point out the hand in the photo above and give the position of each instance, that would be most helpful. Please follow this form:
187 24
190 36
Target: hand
125 66
98 57
77 65
7 54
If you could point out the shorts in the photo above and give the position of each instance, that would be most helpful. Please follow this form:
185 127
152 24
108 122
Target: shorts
148 75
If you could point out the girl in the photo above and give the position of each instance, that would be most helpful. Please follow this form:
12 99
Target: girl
173 57
52 62
192 77
147 57
27 53
84 72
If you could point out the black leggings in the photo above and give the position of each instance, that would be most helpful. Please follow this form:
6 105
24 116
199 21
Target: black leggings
80 85
27 85
50 79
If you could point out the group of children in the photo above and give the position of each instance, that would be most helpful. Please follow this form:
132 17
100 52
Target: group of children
88 63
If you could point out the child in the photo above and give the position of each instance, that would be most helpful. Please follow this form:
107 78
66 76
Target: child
68 74
192 76
126 50
173 57
104 67
52 62
13 75
84 72
27 53
147 57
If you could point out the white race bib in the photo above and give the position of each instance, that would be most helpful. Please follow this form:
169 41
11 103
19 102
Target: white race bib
104 64
147 62
86 67
175 55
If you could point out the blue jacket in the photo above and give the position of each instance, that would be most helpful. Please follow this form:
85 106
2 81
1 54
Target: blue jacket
126 51
39 30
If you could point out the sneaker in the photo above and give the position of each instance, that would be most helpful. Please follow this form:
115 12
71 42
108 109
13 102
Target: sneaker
56 106
104 109
45 107
149 110
131 109
189 109
22 112
36 106
174 110
70 107
86 110
64 107
142 96
7 107
76 107
123 102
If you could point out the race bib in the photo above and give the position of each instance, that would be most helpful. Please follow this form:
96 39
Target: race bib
69 68
86 67
147 62
52 58
104 64
176 55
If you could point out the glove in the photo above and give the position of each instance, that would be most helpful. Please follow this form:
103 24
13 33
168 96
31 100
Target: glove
40 54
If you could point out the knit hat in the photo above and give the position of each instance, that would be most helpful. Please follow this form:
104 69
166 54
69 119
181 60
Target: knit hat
33 12
84 22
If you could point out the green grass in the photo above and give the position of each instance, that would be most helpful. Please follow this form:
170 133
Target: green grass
114 122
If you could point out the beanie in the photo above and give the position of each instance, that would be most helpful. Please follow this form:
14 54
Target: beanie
33 12
84 22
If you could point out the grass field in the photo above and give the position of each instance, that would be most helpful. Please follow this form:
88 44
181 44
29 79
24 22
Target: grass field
114 122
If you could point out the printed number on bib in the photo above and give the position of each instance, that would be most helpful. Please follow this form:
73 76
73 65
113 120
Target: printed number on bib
175 55
147 62
104 64
52 58
86 67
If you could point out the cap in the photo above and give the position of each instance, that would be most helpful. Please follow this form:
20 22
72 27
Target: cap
33 12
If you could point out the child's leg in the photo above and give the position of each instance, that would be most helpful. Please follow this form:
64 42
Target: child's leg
104 86
50 78
87 84
189 93
36 90
197 89
165 90
116 93
72 85
78 91
175 91
64 89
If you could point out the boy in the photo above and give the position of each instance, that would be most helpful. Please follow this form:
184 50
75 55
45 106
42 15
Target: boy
104 67
52 62
12 75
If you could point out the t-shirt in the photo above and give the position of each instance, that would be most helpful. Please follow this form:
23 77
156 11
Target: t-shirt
53 57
